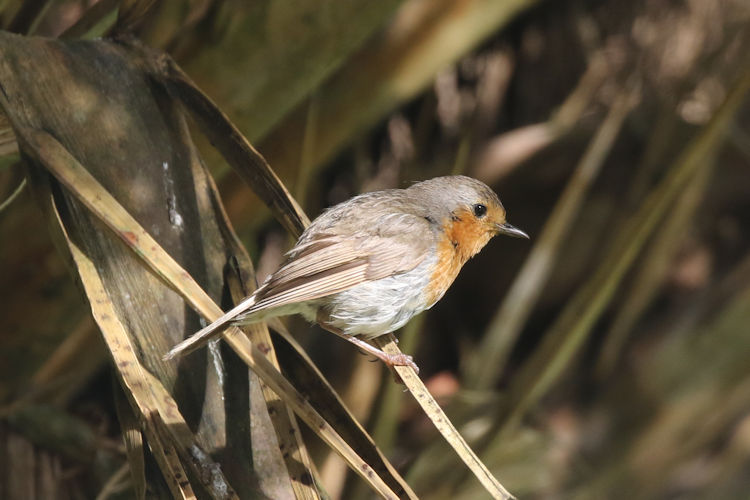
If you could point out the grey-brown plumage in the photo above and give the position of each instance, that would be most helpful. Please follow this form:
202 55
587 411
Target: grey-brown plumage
366 266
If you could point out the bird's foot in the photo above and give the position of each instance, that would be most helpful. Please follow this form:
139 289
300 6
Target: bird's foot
394 360
390 360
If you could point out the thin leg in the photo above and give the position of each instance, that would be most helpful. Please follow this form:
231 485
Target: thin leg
390 360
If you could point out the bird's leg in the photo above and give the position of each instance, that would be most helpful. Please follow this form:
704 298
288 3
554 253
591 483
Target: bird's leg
390 360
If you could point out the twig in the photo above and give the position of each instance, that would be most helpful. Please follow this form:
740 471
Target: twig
13 196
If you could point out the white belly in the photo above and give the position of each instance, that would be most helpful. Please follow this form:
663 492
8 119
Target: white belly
379 307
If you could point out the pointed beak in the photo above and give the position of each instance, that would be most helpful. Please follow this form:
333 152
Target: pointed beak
509 230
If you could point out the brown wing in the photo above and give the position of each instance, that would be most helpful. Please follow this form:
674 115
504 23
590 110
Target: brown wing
323 264
331 264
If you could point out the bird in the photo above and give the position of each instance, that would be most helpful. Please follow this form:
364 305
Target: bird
366 266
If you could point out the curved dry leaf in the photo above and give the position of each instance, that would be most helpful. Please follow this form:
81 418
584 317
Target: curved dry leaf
77 179
134 138
132 376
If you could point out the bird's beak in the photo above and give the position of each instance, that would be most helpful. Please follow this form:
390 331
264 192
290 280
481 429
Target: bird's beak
509 230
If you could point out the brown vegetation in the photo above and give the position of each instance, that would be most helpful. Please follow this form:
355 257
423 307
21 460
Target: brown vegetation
605 358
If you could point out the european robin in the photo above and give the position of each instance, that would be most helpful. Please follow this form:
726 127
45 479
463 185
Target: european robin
366 266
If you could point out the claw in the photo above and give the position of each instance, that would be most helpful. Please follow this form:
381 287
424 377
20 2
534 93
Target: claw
393 360
401 360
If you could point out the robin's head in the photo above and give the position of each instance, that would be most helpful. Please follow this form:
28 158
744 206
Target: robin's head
469 212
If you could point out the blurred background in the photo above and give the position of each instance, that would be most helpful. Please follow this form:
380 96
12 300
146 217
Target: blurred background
607 357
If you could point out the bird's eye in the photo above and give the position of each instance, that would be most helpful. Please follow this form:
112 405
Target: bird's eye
480 210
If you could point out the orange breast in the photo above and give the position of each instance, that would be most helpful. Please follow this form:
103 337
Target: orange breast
463 238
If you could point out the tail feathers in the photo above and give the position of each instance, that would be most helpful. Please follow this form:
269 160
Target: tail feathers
201 337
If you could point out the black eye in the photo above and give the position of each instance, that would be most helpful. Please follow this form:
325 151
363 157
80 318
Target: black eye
480 210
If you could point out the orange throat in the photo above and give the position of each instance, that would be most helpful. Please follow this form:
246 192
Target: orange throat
464 237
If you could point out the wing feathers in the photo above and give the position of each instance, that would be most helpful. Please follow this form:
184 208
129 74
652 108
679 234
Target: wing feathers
322 266
312 287
314 263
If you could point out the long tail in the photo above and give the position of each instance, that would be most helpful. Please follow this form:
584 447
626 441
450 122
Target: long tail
201 337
